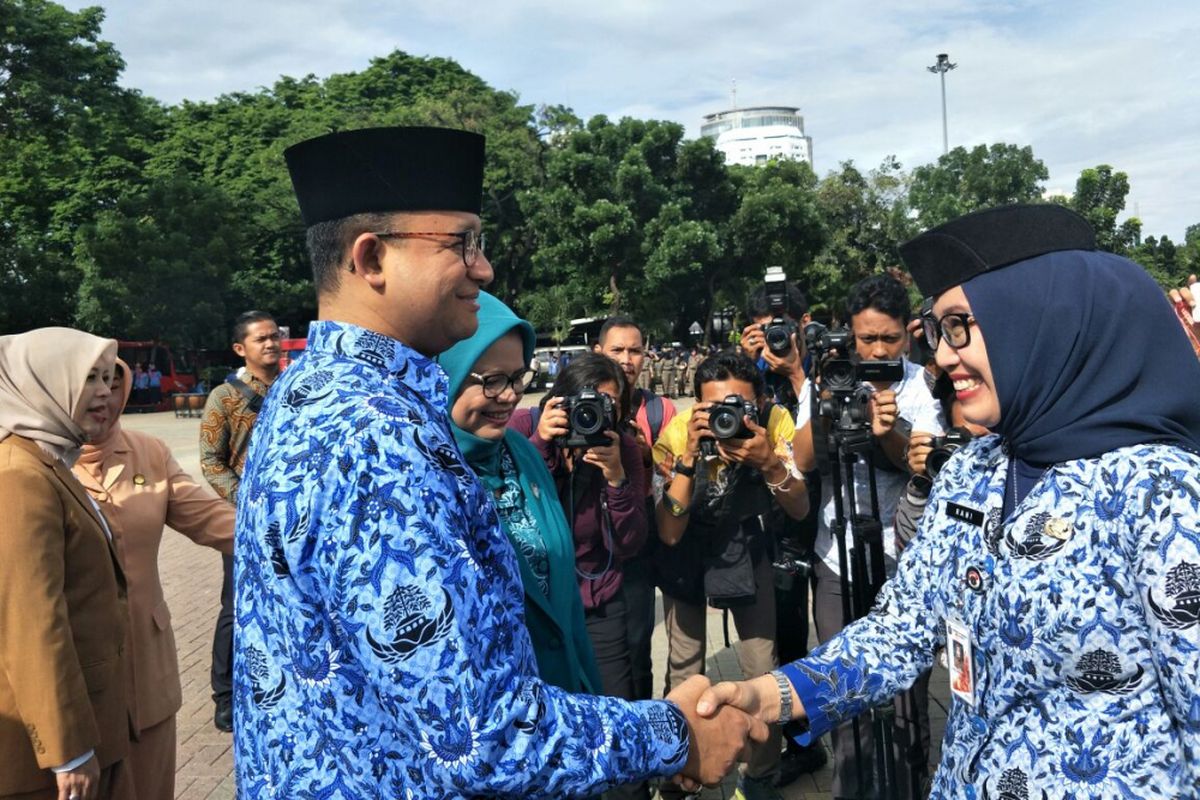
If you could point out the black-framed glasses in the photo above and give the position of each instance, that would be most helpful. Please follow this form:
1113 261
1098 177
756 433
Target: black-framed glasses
473 244
954 328
495 383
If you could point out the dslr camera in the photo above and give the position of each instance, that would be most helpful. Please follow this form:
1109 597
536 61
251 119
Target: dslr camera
778 332
791 563
726 420
942 447
590 416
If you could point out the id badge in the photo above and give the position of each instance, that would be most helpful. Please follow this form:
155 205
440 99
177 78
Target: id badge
962 663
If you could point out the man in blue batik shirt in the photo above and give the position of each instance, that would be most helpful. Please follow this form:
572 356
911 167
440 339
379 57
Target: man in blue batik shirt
381 649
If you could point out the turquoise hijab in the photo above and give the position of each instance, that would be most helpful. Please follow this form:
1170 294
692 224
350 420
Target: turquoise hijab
556 624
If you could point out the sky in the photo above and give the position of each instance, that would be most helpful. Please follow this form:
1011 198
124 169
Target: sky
1083 83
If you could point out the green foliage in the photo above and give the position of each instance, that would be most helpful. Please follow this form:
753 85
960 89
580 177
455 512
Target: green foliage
134 219
867 219
1100 196
964 180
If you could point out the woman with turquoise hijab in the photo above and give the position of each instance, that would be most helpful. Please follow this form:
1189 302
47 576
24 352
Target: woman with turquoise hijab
489 373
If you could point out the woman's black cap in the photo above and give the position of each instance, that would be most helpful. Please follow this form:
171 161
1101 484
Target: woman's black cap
950 254
386 169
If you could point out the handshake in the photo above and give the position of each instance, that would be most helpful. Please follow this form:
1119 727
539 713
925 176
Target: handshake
724 721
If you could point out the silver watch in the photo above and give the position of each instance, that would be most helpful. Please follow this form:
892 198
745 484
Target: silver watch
785 696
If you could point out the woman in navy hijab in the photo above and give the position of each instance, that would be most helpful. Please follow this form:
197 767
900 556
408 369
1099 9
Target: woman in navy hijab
1059 558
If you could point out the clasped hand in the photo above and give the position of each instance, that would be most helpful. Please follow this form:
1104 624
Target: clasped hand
720 738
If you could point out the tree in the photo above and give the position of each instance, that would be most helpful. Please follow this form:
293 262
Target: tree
963 181
1161 259
158 265
71 143
866 217
1099 197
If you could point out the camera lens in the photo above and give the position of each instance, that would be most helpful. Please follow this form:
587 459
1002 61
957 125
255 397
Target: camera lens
778 339
585 419
724 423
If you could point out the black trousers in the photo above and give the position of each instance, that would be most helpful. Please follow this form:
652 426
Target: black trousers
222 648
912 713
607 627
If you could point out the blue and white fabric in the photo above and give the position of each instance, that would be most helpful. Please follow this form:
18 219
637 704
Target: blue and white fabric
381 650
1084 613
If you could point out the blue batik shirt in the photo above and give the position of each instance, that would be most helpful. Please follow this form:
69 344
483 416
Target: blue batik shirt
1083 609
381 649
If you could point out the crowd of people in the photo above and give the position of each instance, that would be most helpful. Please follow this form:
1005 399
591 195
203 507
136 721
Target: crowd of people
436 592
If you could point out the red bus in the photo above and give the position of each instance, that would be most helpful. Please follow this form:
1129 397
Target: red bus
177 377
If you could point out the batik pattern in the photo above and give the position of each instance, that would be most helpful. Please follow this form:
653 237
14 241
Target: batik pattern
381 650
1084 612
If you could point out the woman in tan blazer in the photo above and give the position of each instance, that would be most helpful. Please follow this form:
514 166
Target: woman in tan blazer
141 488
64 722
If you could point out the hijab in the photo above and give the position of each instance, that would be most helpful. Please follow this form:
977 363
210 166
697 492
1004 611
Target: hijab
42 377
1087 356
570 663
495 321
95 454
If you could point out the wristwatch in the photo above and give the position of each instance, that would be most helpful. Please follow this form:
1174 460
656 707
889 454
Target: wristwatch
682 469
785 696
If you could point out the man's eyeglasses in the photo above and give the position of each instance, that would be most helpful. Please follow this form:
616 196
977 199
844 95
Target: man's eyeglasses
955 328
495 384
473 244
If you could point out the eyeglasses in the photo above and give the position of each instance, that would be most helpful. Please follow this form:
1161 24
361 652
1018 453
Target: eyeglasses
956 328
473 244
495 384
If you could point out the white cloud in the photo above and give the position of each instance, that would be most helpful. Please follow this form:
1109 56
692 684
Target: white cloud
1083 82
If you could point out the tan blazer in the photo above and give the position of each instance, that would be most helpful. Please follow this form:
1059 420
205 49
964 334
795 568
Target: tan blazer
62 624
141 489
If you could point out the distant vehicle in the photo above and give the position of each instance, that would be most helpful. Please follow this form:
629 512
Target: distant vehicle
178 377
541 358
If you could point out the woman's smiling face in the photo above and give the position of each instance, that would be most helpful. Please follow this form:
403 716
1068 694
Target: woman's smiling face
484 416
968 366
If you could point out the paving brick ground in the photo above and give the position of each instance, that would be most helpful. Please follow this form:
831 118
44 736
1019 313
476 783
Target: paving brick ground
192 582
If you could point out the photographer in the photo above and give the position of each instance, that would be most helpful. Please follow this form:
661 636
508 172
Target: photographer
878 310
780 307
784 369
581 432
726 470
621 339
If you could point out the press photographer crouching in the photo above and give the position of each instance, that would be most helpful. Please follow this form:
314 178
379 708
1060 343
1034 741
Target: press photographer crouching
582 434
729 460
879 415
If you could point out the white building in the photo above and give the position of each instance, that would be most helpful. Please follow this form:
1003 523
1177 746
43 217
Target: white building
753 136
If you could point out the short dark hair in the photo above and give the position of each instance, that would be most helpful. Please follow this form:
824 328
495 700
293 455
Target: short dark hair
241 325
729 365
757 306
588 370
619 321
328 242
882 293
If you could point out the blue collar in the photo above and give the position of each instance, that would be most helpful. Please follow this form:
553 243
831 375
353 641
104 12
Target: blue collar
383 353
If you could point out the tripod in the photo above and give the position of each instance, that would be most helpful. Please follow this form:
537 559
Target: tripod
858 535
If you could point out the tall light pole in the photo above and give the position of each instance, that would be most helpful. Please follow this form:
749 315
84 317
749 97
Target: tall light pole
943 66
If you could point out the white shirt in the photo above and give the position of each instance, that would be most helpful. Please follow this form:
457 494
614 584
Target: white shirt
917 406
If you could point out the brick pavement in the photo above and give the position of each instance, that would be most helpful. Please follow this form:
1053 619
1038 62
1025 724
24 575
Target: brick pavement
192 582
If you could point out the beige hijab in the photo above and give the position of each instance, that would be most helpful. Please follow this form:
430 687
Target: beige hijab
42 377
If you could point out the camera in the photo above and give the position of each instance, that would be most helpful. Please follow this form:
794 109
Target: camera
725 420
778 332
942 447
838 366
791 564
590 416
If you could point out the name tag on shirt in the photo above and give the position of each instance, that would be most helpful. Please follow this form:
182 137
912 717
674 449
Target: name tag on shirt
964 514
962 664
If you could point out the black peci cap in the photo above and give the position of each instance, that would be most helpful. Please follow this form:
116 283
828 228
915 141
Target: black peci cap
950 254
386 169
